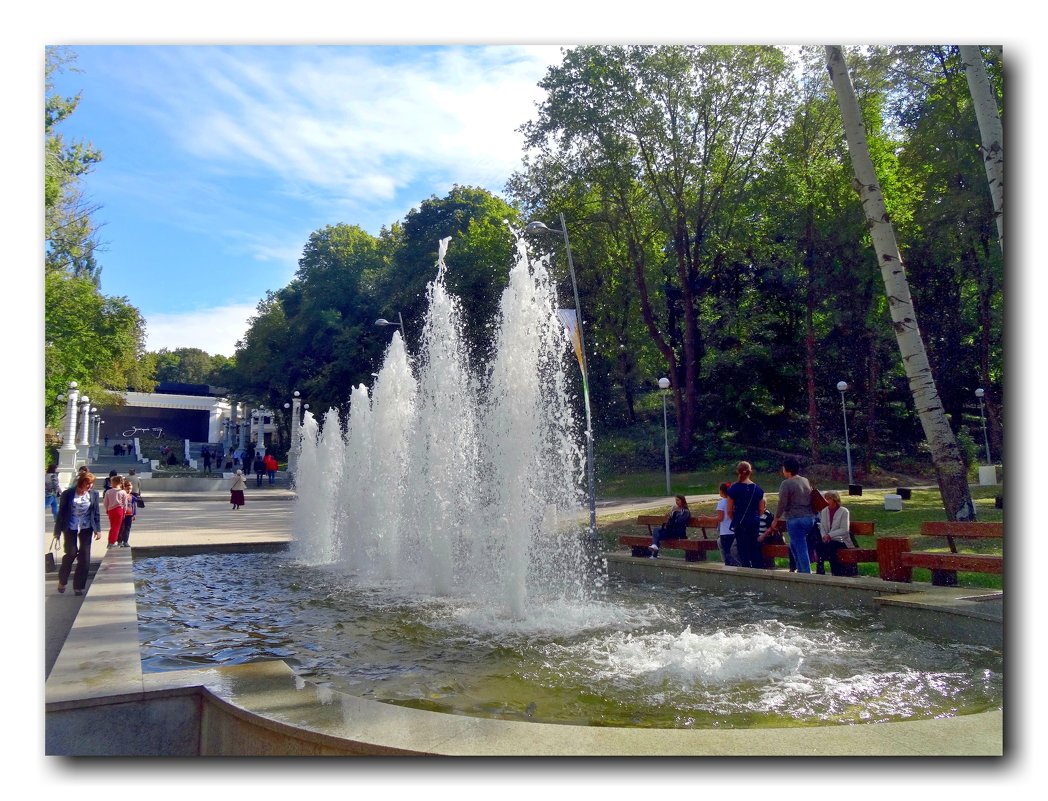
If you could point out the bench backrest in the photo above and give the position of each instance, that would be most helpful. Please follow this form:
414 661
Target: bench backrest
965 530
865 528
962 530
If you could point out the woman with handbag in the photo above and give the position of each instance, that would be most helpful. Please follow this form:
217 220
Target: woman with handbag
744 499
78 520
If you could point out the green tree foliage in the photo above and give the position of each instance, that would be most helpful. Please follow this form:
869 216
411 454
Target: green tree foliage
318 335
189 366
69 230
672 138
95 340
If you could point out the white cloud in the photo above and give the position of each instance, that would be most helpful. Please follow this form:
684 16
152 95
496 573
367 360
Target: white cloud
215 330
355 122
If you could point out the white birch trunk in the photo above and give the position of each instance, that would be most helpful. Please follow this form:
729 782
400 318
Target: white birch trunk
953 480
990 129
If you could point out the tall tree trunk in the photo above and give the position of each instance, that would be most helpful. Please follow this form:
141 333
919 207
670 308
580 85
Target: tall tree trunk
949 466
990 129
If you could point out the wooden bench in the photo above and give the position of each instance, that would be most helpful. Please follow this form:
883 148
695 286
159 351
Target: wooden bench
846 556
944 566
694 549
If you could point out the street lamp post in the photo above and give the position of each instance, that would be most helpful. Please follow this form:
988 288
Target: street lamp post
296 416
664 384
382 321
842 386
536 227
982 416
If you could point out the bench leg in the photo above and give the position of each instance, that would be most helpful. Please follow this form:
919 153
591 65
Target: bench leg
944 578
889 562
637 551
694 556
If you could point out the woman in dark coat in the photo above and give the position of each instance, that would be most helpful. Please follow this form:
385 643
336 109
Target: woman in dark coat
78 519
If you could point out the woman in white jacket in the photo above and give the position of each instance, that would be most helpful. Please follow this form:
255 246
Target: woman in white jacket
834 525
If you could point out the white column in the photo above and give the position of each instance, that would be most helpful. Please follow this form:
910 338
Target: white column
83 444
67 453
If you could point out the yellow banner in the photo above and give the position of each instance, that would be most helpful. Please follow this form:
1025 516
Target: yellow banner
570 321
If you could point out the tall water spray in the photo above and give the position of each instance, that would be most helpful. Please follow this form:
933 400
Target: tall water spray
456 482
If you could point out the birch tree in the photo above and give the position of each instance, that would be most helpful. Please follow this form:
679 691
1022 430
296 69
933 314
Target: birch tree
946 455
990 129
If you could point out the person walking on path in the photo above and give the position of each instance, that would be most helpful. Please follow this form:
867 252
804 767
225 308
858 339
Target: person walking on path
794 509
236 492
271 468
744 498
205 454
260 469
130 511
78 520
51 490
115 500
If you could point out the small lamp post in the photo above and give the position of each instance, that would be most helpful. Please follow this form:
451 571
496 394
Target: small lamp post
842 387
536 227
296 419
982 416
664 384
988 472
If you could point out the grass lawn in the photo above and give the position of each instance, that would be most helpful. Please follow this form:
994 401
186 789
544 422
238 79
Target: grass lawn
923 505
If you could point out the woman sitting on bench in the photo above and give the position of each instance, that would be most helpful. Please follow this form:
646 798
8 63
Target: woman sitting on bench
834 523
675 527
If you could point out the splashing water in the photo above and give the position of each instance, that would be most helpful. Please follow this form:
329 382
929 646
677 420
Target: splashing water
458 483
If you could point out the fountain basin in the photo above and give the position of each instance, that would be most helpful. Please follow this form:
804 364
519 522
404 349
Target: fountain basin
97 686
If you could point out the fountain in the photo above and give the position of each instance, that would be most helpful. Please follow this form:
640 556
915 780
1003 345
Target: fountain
452 483
440 562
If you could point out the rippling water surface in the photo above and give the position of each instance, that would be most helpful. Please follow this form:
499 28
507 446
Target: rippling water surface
644 656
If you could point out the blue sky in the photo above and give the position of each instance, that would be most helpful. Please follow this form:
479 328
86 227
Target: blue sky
220 161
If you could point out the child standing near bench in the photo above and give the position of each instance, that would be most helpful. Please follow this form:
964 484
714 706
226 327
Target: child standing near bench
724 529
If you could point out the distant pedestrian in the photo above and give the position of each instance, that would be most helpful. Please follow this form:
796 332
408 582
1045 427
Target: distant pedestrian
130 510
114 500
744 499
236 492
259 467
794 510
271 465
51 490
107 440
78 519
109 481
205 454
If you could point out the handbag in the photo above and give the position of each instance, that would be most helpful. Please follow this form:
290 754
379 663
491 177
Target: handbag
818 503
